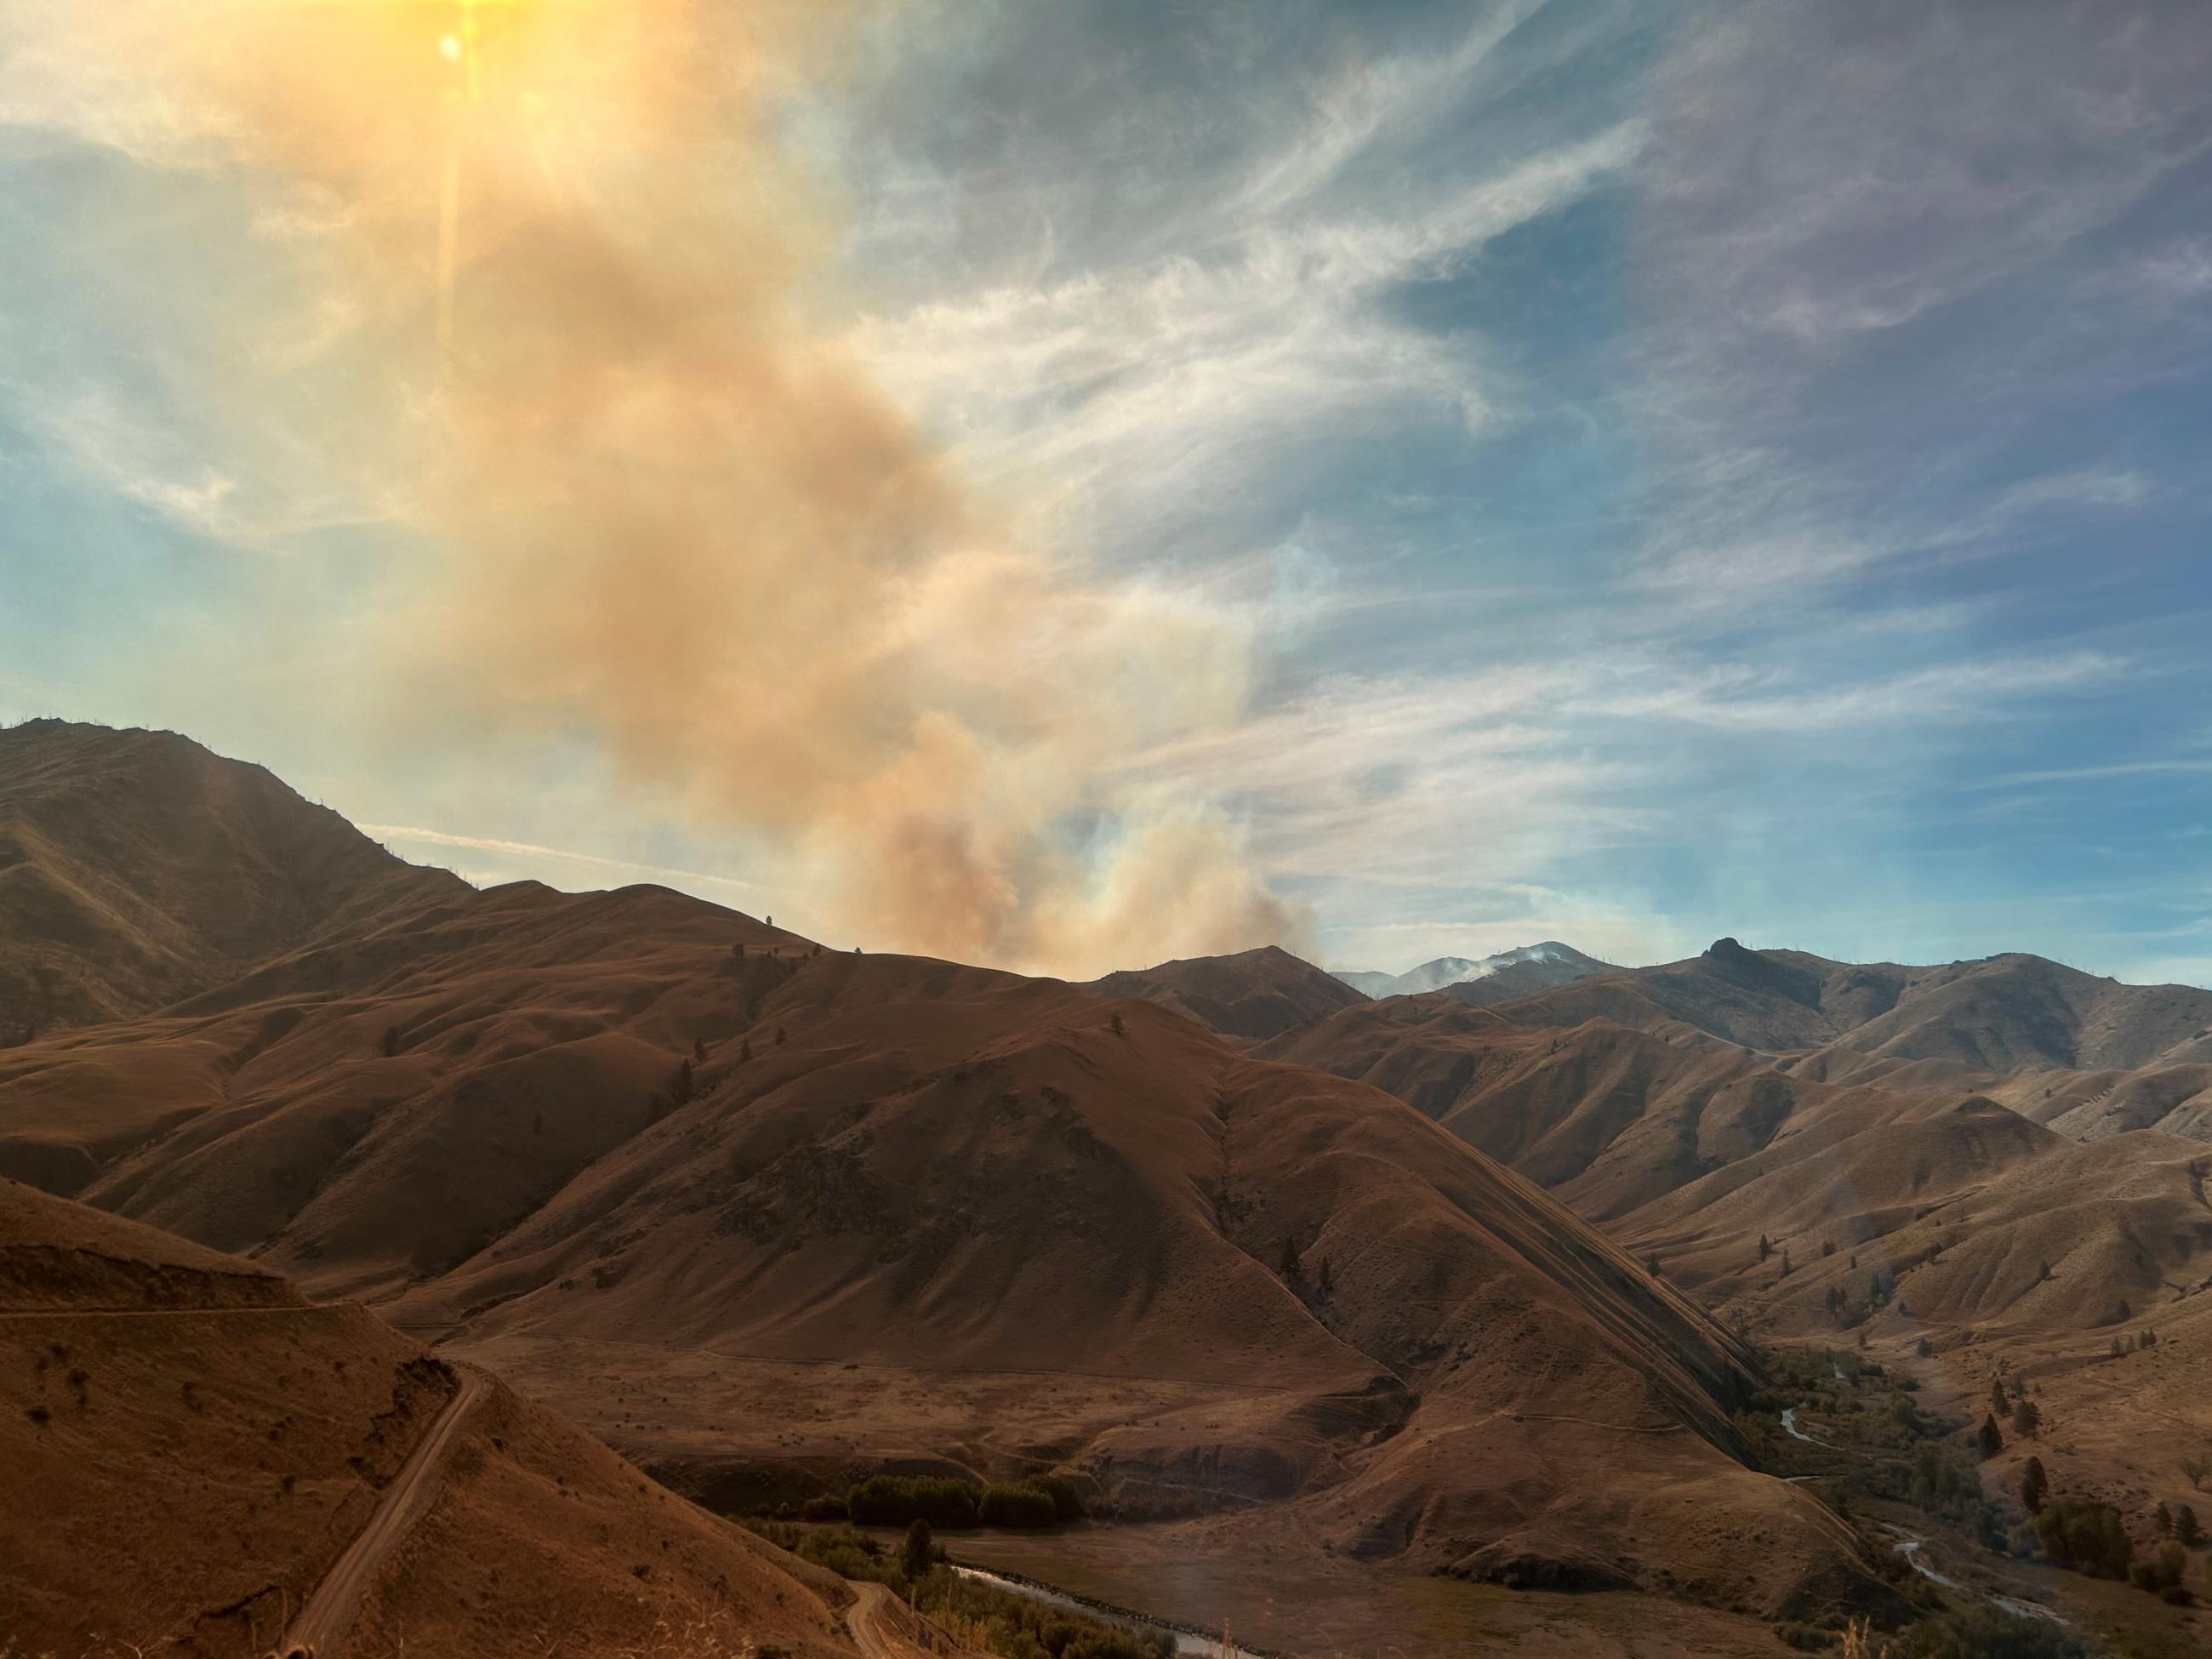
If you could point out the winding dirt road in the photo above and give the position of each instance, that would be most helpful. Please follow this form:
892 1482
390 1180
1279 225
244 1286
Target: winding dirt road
329 1613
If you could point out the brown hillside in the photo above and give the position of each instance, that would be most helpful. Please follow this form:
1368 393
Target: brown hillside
1996 1016
909 1166
136 868
1253 995
183 1469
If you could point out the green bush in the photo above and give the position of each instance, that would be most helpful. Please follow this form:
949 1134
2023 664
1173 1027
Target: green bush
2085 1535
2161 1570
1986 1633
1017 1627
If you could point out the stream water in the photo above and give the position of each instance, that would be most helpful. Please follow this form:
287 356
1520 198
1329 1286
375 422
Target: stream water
1187 1643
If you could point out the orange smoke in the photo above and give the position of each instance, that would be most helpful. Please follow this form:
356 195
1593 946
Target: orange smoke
569 257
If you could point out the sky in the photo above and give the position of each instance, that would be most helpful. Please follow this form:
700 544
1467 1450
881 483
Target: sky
1073 485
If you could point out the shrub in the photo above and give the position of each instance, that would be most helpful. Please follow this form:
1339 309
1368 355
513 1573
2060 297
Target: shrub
2161 1570
825 1508
1015 1627
1986 1633
2085 1535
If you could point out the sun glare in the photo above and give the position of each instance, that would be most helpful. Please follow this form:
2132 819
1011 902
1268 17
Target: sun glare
451 46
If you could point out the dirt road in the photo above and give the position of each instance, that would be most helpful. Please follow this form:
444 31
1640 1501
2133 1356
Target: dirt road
864 1619
330 1612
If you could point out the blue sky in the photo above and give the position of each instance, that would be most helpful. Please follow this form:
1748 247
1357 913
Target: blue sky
1674 470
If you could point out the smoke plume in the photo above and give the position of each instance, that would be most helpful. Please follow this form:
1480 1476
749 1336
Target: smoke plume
564 304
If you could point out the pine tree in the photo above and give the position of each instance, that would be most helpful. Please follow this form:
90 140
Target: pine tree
2187 1528
2162 1518
1765 1247
680 1091
1651 1265
2026 1419
390 1041
2034 1486
1990 1437
1999 1405
918 1551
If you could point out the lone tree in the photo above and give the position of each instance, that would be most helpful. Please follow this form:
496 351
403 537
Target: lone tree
918 1550
1119 1026
1765 1247
2034 1486
680 1091
1990 1437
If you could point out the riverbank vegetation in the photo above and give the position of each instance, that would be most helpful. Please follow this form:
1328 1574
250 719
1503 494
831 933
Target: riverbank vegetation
976 1614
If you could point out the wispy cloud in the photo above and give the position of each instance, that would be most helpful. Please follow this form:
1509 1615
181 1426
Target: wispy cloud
414 835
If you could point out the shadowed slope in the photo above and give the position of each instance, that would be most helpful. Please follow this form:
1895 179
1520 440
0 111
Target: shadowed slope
136 868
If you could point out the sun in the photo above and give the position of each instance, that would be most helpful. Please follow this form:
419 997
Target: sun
450 47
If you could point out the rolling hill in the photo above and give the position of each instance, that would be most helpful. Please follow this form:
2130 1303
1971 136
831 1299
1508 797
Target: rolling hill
1252 995
767 1216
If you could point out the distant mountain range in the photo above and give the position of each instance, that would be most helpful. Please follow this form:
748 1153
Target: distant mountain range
771 1217
1486 979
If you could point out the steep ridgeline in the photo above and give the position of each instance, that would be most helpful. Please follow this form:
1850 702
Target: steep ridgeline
137 869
